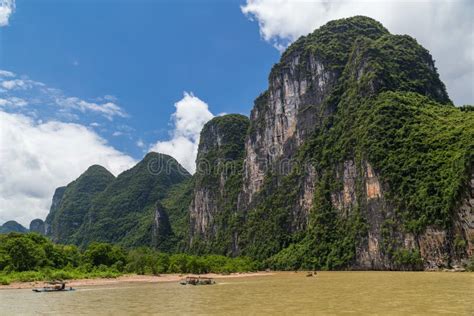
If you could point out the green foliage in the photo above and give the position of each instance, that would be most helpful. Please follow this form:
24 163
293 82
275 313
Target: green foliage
31 257
423 151
405 257
24 254
221 153
470 264
76 201
98 254
124 211
333 42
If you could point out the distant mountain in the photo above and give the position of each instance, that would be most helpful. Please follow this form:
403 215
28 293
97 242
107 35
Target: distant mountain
99 207
68 214
12 227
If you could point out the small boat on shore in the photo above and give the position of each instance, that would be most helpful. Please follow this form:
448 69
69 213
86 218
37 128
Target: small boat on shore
54 286
197 281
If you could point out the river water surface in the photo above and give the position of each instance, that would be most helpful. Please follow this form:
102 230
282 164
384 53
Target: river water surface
329 293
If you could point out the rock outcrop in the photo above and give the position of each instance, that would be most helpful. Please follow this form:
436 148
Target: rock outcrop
217 182
37 226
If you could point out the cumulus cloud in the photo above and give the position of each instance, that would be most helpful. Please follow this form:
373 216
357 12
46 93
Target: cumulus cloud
7 7
37 157
444 27
190 116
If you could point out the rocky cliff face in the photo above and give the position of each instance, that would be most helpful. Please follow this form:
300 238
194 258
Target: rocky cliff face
217 181
57 197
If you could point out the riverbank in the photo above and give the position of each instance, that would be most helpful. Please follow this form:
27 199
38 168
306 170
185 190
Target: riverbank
132 278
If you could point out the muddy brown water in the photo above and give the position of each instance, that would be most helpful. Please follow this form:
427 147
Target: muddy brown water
285 293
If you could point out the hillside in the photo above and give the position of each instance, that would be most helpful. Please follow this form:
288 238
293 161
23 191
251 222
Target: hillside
125 209
12 226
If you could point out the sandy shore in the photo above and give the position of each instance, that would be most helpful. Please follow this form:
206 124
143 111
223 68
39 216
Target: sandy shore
132 278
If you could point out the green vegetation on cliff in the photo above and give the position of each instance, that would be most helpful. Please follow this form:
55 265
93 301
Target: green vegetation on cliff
387 108
124 211
76 201
219 175
12 226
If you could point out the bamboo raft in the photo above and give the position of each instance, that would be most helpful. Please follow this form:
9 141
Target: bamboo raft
197 281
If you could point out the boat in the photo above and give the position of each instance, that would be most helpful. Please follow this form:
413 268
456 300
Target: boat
197 281
54 286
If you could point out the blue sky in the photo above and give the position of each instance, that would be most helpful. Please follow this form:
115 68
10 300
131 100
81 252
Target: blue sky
87 82
144 53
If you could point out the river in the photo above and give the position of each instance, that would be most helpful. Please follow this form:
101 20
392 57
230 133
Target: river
285 293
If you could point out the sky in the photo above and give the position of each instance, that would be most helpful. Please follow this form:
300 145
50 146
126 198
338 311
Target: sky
87 82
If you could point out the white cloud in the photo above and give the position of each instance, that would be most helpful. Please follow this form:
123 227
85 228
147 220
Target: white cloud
444 27
37 157
190 116
140 143
5 73
15 84
13 102
108 109
7 7
37 93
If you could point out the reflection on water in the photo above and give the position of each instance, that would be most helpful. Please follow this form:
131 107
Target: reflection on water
376 293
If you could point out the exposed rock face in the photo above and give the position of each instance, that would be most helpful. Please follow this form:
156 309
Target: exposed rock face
217 179
285 115
161 229
57 197
37 226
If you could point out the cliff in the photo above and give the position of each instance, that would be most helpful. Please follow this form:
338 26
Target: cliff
212 212
37 226
355 158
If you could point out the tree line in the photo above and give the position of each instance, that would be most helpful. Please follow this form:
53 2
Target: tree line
32 257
